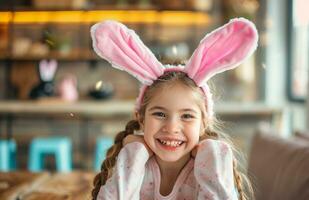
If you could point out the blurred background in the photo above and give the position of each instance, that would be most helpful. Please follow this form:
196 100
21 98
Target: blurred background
53 85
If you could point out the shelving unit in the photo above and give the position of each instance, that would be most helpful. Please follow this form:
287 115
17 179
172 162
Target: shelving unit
35 27
34 34
160 28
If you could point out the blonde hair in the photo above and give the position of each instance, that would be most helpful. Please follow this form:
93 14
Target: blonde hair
211 131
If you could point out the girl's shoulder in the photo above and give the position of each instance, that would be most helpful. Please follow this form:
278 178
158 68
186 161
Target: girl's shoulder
134 146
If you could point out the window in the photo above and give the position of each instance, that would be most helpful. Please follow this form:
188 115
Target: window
298 50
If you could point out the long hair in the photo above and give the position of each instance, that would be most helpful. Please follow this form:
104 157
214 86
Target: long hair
167 79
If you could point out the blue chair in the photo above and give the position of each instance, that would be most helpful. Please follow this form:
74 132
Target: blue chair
103 144
7 155
60 147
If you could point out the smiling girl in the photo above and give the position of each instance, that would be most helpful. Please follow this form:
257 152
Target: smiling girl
171 150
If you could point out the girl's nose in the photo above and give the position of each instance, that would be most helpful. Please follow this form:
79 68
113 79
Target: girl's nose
172 125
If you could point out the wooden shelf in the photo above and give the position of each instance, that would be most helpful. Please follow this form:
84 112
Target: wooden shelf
81 108
119 107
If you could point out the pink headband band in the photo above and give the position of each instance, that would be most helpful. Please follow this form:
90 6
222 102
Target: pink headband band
223 49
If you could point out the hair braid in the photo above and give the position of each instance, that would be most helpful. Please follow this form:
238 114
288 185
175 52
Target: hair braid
111 156
238 181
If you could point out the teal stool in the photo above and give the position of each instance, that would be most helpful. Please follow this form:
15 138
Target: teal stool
7 155
103 144
60 147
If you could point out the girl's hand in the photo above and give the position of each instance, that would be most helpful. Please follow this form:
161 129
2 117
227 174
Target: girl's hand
136 138
195 149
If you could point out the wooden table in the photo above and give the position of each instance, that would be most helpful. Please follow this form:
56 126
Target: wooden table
23 185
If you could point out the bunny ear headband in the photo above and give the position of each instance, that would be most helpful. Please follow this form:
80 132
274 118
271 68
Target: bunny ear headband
223 49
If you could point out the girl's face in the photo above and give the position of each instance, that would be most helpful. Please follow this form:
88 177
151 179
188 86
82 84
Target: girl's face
173 123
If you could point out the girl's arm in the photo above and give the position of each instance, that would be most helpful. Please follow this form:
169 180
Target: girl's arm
128 174
213 170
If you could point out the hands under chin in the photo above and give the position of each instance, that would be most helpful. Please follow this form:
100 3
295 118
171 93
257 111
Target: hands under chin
195 149
136 138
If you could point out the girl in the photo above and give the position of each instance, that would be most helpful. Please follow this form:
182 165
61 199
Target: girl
171 150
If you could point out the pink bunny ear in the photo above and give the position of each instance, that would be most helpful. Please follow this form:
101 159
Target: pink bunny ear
125 51
223 49
47 69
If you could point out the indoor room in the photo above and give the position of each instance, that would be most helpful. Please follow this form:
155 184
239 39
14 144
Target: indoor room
75 95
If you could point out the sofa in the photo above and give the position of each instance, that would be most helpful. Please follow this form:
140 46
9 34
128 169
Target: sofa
279 167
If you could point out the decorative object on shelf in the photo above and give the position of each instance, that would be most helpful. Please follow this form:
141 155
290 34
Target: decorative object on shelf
202 5
38 49
47 72
140 3
243 8
172 4
52 4
102 90
23 46
59 43
128 2
67 88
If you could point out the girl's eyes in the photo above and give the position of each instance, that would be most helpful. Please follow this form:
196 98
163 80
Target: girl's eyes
183 116
187 116
159 114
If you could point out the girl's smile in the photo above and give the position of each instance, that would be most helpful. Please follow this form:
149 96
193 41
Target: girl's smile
170 144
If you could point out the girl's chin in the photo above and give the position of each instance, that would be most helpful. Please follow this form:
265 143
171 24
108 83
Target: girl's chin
166 158
172 157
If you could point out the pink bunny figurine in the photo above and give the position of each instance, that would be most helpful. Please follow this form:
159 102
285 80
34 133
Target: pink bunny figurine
67 88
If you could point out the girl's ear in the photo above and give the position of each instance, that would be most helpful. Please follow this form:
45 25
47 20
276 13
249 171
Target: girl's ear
203 128
120 46
140 120
223 49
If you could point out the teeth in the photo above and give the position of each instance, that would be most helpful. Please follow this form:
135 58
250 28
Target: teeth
171 143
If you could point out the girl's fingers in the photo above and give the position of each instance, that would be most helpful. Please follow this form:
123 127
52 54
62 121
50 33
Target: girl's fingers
132 138
194 151
203 137
148 149
136 138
